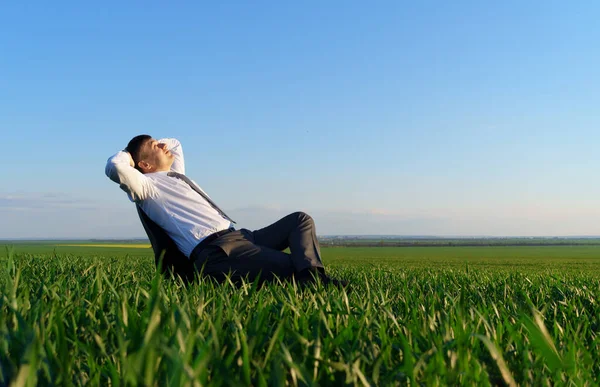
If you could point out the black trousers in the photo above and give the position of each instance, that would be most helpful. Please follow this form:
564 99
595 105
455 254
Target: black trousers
251 254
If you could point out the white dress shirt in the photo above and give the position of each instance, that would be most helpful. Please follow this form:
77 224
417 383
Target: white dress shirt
170 202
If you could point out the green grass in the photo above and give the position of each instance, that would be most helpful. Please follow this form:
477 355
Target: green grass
478 315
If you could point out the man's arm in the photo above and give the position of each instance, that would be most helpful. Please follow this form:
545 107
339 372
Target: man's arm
119 168
174 146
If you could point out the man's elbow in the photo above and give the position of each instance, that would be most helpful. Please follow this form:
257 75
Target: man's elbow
111 171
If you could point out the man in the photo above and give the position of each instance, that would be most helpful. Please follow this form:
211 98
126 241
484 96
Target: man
152 173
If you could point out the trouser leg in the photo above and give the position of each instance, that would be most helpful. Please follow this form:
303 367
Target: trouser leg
248 253
237 254
296 231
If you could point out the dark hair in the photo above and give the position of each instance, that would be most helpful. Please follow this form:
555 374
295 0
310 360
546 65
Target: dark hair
135 148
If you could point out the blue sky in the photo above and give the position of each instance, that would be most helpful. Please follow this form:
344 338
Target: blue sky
435 118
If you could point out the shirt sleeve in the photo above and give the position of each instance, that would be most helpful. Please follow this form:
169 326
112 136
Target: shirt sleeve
137 186
174 146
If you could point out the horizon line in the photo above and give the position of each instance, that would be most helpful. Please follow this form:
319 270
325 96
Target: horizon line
400 236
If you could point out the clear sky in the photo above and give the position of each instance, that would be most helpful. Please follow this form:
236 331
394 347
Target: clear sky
413 118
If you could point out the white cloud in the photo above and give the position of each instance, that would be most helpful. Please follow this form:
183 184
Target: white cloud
57 215
505 221
43 201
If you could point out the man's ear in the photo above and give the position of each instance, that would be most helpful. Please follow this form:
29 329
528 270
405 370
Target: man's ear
144 166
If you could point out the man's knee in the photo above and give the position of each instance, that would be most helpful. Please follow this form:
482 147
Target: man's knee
303 217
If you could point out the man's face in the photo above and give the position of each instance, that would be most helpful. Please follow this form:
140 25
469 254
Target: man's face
156 157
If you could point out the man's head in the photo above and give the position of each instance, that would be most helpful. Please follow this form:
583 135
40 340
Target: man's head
149 155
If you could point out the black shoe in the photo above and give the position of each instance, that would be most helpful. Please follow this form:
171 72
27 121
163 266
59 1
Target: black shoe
341 284
307 277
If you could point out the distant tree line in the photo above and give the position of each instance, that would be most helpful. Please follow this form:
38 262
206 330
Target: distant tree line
341 242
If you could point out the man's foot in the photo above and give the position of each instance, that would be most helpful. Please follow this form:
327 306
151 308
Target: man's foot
309 276
306 277
342 284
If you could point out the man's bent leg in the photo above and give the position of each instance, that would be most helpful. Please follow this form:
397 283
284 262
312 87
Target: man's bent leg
236 253
296 231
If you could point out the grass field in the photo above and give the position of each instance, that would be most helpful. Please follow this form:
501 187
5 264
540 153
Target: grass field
423 315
